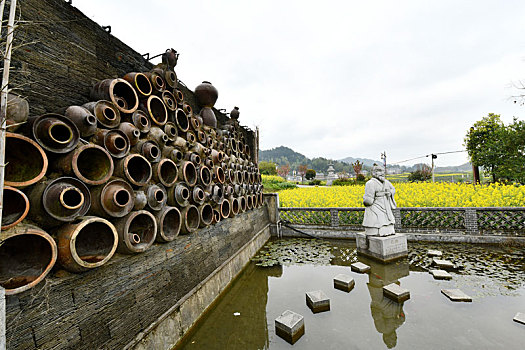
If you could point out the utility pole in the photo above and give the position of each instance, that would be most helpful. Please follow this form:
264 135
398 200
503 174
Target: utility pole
383 157
433 157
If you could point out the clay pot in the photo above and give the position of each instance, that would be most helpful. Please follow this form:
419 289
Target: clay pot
234 114
208 117
83 119
17 111
206 94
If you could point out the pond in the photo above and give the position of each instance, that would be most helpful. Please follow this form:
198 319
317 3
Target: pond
284 270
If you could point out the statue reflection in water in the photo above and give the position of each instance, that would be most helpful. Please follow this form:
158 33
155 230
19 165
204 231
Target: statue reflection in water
388 315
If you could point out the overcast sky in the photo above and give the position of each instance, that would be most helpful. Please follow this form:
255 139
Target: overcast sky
341 78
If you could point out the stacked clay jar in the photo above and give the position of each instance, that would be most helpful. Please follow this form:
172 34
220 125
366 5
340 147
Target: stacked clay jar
134 166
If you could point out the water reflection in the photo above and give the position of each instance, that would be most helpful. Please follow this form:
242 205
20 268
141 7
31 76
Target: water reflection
247 330
363 318
388 315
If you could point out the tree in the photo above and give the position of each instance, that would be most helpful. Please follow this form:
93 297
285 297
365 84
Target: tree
423 173
310 174
498 148
283 170
357 166
268 168
513 145
301 170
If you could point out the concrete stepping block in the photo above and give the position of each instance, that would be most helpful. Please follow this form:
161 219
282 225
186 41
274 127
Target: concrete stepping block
289 326
456 295
443 264
344 282
396 293
432 252
317 301
360 267
520 318
441 275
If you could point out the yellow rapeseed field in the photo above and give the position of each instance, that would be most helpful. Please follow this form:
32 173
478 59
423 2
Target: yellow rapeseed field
439 194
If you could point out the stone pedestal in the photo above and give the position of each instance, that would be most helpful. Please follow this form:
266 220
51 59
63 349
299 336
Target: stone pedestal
432 252
317 301
520 318
289 326
344 282
443 264
441 275
360 267
384 249
396 293
456 295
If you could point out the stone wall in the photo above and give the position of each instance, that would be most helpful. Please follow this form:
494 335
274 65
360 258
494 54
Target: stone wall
174 324
109 306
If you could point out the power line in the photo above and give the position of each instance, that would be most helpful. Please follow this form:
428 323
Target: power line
426 155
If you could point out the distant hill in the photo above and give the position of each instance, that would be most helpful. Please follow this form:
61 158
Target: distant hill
365 161
463 168
284 155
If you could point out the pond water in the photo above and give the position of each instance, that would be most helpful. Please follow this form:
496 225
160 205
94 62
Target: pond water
243 318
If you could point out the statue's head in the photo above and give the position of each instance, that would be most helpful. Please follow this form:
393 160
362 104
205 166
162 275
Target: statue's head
378 172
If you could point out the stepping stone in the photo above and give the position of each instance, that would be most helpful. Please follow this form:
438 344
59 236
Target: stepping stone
520 318
443 264
289 326
317 301
441 275
456 295
396 293
432 252
344 282
360 267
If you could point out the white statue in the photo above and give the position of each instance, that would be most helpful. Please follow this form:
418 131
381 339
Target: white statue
379 202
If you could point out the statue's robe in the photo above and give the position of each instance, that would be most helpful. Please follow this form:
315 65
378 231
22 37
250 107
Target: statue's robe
379 218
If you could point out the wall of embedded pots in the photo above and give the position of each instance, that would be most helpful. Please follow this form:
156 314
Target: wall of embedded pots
133 166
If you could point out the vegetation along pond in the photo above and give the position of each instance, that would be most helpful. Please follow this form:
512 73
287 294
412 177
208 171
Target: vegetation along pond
284 270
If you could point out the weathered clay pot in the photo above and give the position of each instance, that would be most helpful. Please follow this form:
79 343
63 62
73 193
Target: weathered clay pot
26 161
55 133
108 116
169 221
208 117
86 244
118 91
27 254
17 111
170 58
206 94
90 163
83 119
114 199
57 201
136 231
16 207
140 83
234 114
114 141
